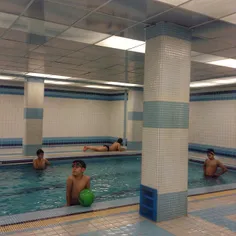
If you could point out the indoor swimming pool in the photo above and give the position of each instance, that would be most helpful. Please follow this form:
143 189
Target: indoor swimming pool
23 189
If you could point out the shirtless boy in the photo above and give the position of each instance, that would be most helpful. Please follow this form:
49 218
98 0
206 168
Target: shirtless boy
116 146
76 183
211 165
40 162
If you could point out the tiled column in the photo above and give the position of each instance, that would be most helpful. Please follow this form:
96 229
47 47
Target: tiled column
135 120
164 180
33 115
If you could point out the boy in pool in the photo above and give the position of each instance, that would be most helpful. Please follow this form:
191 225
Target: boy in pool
211 165
116 146
76 183
40 162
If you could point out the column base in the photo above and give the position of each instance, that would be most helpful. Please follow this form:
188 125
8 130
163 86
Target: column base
162 207
134 145
31 149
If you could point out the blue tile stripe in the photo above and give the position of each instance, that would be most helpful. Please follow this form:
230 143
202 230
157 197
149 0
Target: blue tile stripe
15 90
218 150
168 29
33 113
162 114
213 96
134 115
30 150
50 141
134 145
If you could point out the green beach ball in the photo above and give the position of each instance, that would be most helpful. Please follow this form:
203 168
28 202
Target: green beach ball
86 197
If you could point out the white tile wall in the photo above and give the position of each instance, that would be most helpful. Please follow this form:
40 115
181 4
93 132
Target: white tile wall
11 116
64 117
33 129
164 70
32 101
116 114
166 151
134 130
213 123
135 101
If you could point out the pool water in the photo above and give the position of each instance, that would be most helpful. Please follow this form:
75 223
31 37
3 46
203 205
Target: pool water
23 189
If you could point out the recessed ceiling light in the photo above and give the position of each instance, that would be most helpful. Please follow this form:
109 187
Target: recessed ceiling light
226 62
48 76
98 87
140 49
56 82
124 84
3 77
120 43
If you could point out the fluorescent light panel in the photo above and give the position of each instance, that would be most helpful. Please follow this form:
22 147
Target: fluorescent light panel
140 49
56 82
120 43
213 82
98 87
48 76
124 84
3 77
226 62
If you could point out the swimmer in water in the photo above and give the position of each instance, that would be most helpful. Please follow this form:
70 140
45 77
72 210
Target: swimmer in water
40 162
76 183
211 165
116 146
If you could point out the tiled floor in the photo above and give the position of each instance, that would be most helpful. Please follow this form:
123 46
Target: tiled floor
211 214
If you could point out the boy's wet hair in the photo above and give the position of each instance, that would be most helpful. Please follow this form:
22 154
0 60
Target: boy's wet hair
79 163
211 151
120 140
40 151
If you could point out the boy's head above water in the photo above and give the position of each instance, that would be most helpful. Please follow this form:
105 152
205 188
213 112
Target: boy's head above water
210 154
78 167
40 153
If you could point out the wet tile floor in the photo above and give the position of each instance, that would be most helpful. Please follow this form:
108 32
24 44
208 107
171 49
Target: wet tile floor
210 214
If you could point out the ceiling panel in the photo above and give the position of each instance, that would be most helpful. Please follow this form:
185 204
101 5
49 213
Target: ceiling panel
6 20
212 8
104 23
231 52
230 18
38 27
208 45
73 61
136 10
52 51
16 45
13 6
64 44
181 17
83 36
136 32
25 37
42 56
86 4
54 12
216 29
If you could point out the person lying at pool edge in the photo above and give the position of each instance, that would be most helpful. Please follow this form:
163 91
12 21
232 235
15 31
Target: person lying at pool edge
116 146
76 183
211 164
40 162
